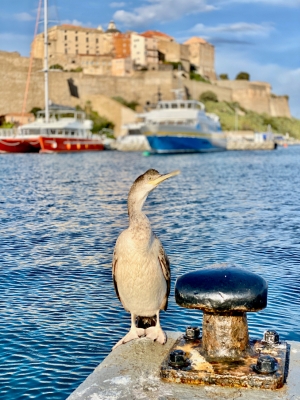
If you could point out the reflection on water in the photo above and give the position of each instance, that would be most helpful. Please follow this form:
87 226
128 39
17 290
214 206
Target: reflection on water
60 216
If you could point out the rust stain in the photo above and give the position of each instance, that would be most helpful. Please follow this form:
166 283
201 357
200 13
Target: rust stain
235 373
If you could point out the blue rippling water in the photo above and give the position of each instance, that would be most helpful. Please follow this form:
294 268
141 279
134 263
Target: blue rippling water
60 216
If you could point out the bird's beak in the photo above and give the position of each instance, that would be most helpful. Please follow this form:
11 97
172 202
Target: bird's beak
162 178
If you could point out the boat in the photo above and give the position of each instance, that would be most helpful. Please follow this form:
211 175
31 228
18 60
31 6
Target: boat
66 130
57 128
182 126
12 142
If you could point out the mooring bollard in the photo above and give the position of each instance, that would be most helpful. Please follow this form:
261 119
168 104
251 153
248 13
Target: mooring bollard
224 294
224 354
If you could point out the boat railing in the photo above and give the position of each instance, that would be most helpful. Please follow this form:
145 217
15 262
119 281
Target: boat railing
56 115
8 132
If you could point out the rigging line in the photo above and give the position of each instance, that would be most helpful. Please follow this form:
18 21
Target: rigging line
31 60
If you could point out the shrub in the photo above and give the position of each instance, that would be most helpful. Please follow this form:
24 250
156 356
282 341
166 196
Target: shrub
78 69
208 96
224 77
243 76
56 66
197 77
130 104
99 122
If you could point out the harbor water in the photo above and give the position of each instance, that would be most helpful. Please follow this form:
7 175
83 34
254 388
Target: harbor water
60 216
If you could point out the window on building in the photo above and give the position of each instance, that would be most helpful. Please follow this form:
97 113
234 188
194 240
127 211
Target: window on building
87 39
76 51
87 52
66 37
76 38
97 40
66 51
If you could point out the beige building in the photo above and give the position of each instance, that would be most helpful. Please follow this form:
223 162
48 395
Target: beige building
121 66
175 52
68 42
17 118
202 57
144 51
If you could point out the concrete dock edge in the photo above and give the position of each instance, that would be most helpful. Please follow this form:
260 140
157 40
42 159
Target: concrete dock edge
132 372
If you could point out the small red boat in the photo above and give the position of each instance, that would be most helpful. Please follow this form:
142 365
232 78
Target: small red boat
67 130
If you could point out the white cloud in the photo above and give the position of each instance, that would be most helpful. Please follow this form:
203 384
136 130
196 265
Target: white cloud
158 11
23 16
117 4
284 3
238 28
283 80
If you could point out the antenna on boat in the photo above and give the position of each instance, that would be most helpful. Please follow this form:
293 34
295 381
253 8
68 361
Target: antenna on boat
46 60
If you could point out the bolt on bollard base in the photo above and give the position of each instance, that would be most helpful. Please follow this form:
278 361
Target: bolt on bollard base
264 367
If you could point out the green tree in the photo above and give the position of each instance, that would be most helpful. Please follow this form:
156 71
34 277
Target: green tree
224 77
208 96
35 110
243 76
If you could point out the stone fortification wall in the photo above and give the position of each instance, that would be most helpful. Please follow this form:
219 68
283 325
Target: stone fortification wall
197 88
256 96
13 75
279 106
141 87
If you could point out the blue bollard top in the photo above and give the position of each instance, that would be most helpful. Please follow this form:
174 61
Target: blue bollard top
222 289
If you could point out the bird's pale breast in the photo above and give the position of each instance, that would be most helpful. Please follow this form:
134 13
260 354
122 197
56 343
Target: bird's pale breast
141 283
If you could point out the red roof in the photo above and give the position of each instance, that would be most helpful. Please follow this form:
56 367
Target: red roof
151 34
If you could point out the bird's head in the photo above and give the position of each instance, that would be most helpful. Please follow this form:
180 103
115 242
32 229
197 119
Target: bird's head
145 183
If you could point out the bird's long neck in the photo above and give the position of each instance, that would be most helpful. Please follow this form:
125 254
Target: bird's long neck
138 221
136 201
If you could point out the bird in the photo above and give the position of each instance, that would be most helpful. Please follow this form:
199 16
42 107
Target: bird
140 266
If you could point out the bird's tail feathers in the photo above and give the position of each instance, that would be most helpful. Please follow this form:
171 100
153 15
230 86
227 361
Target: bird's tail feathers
146 322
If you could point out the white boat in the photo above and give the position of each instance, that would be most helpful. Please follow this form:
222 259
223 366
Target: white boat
180 126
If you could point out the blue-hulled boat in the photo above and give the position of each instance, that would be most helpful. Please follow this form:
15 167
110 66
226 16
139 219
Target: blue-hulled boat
180 126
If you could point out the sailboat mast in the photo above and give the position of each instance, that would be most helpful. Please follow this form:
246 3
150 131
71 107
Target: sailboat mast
46 60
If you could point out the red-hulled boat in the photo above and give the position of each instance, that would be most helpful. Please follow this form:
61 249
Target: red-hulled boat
67 130
13 142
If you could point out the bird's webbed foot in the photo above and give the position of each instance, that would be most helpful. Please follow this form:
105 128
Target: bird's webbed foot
155 333
134 333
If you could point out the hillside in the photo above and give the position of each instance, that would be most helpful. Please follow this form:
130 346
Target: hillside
250 120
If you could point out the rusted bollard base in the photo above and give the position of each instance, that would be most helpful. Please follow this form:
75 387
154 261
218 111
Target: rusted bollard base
238 373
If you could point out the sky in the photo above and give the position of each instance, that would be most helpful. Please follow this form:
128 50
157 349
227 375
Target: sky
261 37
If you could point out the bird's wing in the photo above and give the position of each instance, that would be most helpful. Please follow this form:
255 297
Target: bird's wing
114 268
165 266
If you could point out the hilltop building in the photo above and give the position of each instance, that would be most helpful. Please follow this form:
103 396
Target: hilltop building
113 53
202 57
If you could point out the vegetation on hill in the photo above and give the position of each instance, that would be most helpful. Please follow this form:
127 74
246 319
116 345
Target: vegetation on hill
99 122
208 96
129 104
250 120
197 77
243 76
224 77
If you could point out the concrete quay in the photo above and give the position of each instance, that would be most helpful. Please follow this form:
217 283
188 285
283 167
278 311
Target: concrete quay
132 372
244 144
